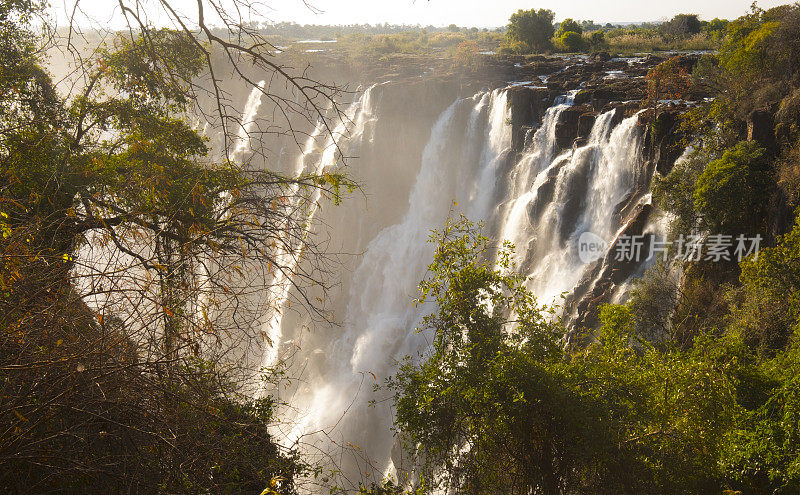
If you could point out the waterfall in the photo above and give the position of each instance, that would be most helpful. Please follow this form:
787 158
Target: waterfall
288 255
541 200
249 114
578 191
460 161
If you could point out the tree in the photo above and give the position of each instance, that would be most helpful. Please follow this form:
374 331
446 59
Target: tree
466 55
668 80
499 388
768 306
763 452
716 28
730 194
759 60
126 370
597 41
681 26
532 28
568 25
485 396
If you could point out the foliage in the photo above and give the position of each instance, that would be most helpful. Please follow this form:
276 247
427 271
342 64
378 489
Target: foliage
769 305
668 80
532 28
689 387
566 26
499 389
681 26
597 41
675 192
466 54
715 28
758 60
106 362
414 42
730 193
764 452
572 41
653 301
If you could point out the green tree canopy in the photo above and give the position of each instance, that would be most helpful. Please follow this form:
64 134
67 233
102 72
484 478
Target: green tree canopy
568 25
500 388
533 28
682 25
731 194
572 41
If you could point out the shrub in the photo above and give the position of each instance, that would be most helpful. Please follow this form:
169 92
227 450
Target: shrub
731 194
572 41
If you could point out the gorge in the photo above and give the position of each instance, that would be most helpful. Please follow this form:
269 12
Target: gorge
539 163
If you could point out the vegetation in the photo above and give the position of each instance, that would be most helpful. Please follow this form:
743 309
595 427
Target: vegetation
129 375
121 372
530 30
568 26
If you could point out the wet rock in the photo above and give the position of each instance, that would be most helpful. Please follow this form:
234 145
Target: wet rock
663 138
585 124
528 105
605 276
567 125
584 96
600 56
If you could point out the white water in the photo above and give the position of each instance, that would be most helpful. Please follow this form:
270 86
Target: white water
588 184
332 401
546 201
288 255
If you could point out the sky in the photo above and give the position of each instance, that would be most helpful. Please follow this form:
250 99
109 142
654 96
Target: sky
479 13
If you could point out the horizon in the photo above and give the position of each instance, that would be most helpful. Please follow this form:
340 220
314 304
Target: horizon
437 13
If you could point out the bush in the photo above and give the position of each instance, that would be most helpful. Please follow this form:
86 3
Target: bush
597 40
732 193
568 25
572 41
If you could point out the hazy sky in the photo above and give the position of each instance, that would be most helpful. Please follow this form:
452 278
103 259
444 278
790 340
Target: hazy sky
481 13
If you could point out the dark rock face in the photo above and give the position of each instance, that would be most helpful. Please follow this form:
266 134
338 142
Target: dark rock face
663 138
567 127
601 282
585 124
761 128
605 83
528 105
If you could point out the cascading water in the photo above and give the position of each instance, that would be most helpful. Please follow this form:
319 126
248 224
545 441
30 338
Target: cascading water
542 203
290 254
379 322
578 191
